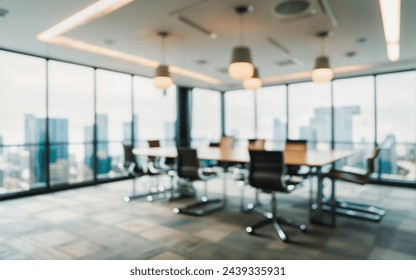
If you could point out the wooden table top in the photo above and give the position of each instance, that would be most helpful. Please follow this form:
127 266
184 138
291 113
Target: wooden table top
241 155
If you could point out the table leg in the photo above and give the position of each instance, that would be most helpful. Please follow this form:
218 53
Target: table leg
317 212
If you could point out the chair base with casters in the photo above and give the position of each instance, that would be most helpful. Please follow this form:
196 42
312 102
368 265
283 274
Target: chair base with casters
153 192
352 209
267 173
251 206
203 206
175 192
189 170
276 221
130 168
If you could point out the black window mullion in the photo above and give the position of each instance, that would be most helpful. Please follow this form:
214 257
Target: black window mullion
47 144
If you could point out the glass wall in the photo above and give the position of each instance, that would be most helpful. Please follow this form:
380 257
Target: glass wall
310 114
365 111
114 121
85 115
239 115
22 122
396 125
155 113
206 117
71 123
272 116
93 112
354 123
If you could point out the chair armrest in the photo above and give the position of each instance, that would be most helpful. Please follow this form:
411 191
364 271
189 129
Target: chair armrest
352 169
357 178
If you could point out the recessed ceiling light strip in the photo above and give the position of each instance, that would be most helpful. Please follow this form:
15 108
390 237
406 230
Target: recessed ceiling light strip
98 9
390 13
82 46
91 12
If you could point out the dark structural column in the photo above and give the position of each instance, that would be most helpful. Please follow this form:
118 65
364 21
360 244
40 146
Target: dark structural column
183 124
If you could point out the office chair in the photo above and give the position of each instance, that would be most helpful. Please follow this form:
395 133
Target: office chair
267 173
188 169
131 168
240 175
164 166
357 176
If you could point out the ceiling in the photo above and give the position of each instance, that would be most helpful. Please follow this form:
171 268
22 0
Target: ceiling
356 47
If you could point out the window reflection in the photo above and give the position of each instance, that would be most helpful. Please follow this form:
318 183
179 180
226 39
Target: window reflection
310 114
271 116
239 114
206 117
155 112
396 125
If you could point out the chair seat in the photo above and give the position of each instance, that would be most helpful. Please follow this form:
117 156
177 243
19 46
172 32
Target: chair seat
294 180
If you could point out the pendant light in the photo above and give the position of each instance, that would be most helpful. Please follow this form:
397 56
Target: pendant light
322 71
241 67
162 79
254 82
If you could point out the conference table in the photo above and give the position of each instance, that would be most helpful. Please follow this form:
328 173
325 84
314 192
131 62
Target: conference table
314 159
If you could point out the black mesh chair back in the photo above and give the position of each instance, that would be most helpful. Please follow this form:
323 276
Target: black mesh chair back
266 170
188 163
129 157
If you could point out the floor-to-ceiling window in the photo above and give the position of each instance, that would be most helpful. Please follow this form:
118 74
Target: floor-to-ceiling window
310 114
271 116
71 123
206 116
22 122
114 121
396 125
85 115
154 113
68 93
239 115
354 121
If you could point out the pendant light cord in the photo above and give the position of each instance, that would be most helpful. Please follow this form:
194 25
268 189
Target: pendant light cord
241 30
322 46
163 49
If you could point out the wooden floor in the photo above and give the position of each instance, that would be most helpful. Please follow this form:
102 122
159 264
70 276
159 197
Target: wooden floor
95 223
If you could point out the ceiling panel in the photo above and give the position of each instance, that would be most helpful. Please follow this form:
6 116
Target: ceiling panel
132 30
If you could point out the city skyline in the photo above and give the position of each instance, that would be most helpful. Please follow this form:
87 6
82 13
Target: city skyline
73 97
